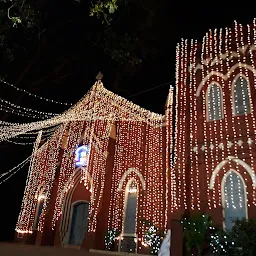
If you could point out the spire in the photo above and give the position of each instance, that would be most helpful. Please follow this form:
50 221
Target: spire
99 76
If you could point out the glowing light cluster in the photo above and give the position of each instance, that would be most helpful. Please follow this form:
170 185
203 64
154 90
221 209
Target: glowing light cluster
211 136
34 95
41 174
140 155
216 78
89 122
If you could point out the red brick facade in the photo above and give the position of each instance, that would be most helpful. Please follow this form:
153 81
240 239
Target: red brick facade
179 161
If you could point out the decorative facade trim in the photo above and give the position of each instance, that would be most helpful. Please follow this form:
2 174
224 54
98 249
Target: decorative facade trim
130 170
221 75
236 160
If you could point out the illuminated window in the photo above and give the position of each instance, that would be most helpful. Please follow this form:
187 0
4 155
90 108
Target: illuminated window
128 242
40 204
82 156
234 199
241 100
130 208
214 102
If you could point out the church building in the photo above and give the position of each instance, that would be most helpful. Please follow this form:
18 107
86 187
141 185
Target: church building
112 166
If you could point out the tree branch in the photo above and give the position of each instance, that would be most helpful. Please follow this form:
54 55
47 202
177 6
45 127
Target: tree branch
8 11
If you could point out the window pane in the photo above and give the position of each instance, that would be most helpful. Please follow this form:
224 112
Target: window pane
39 211
241 97
214 102
130 215
131 207
235 205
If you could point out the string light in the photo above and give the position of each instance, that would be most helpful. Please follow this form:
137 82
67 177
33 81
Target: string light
14 106
84 123
206 132
34 95
13 171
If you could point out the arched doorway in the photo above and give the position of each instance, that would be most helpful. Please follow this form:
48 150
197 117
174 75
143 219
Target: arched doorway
79 223
234 199
128 242
77 193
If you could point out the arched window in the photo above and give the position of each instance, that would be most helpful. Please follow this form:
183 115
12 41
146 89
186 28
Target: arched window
40 204
241 100
214 102
234 199
129 238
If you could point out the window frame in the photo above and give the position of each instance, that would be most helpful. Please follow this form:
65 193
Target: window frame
207 102
125 207
223 195
233 95
38 214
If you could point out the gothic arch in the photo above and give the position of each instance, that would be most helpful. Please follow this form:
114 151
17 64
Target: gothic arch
221 75
248 95
236 160
71 185
73 177
223 199
130 170
209 103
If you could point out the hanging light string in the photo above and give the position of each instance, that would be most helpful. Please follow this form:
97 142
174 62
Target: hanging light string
9 110
99 104
15 169
33 137
27 110
24 139
4 123
45 131
124 111
34 95
22 143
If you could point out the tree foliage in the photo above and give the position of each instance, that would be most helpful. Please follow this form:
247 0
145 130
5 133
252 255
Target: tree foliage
196 232
126 42
58 43
240 241
110 237
28 17
19 21
153 236
103 9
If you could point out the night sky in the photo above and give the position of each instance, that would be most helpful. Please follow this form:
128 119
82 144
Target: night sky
63 66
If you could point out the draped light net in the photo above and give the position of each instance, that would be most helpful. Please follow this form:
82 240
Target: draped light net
89 122
218 122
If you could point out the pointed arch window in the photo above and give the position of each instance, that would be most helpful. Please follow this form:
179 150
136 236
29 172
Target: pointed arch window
128 243
130 208
214 102
234 199
40 204
241 96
